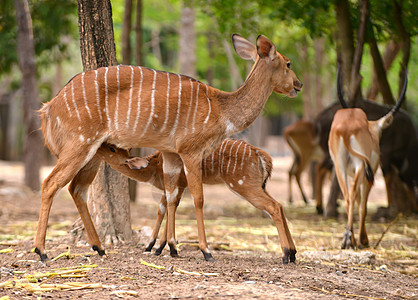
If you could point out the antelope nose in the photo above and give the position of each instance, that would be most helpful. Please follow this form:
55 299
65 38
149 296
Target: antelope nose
298 84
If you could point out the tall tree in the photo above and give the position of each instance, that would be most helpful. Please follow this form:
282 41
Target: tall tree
138 34
187 52
33 144
126 32
108 200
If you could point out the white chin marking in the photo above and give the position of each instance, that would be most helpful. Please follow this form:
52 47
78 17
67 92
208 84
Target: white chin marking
293 93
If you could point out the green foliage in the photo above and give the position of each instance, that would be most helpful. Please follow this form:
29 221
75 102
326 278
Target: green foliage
54 26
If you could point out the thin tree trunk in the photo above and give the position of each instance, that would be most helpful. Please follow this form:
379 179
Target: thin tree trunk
391 51
307 81
187 52
108 200
345 35
319 46
405 42
138 34
380 70
355 81
33 143
126 31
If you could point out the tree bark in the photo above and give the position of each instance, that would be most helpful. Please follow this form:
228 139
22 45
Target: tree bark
187 52
108 200
405 42
391 51
138 34
33 143
126 31
379 70
346 37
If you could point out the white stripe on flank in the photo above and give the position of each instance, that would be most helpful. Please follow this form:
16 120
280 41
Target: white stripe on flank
97 95
221 163
210 107
65 100
106 99
167 105
152 104
190 105
195 108
178 108
230 156
84 94
117 99
236 157
130 97
219 156
213 162
243 156
249 153
138 111
204 167
72 96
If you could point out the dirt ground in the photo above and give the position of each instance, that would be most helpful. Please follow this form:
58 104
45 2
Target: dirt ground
243 241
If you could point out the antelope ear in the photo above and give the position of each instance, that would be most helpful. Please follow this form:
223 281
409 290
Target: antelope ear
265 48
244 48
137 163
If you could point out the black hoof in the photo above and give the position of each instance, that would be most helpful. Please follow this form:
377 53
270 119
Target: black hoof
150 246
208 256
43 256
100 251
319 210
173 251
160 248
289 256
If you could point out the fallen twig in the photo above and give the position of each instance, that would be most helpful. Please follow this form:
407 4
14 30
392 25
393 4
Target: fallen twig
387 228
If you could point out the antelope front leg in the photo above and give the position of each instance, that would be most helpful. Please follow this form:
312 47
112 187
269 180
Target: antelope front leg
172 167
162 209
193 172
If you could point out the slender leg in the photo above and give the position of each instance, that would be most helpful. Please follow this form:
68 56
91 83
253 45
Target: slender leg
64 171
172 168
320 171
297 175
193 172
78 190
364 240
164 234
162 209
260 199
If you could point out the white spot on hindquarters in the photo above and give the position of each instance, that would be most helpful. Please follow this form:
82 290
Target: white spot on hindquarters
240 182
162 208
268 214
81 137
231 185
155 116
172 196
97 133
230 128
79 127
88 141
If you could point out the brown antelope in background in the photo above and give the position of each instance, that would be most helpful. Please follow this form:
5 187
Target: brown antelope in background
241 166
135 107
354 149
302 139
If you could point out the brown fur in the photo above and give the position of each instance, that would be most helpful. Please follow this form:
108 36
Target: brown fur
134 107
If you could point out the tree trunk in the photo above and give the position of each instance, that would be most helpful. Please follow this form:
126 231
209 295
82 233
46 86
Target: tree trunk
33 143
355 81
138 34
391 51
126 31
108 200
319 46
187 52
379 70
405 42
308 109
345 35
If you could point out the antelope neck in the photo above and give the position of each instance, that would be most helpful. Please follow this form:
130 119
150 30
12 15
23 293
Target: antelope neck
244 105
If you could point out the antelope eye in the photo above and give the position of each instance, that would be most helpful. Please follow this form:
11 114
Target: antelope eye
112 149
288 65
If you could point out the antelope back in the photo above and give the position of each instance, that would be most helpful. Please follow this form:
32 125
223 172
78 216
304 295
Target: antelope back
127 106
